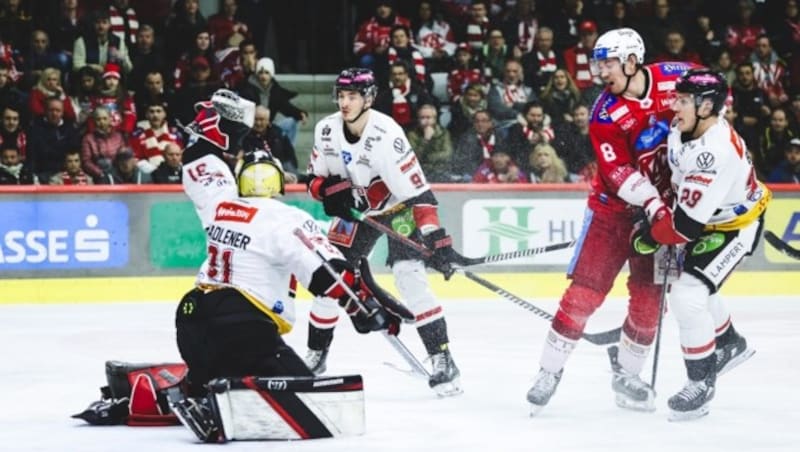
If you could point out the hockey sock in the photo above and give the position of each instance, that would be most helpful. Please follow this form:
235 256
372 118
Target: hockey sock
434 336
632 355
318 338
557 349
699 369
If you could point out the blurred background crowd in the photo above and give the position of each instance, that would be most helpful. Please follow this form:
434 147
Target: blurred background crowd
493 91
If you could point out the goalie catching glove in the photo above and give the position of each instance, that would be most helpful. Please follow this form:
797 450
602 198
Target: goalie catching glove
372 308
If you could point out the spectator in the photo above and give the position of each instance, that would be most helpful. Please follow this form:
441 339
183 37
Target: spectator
15 23
115 98
751 103
404 96
41 57
263 89
100 47
236 67
476 145
265 136
521 27
794 111
657 25
577 59
12 133
546 167
769 71
432 145
124 170
50 139
49 86
65 26
741 36
787 43
535 129
146 58
124 21
564 24
201 48
675 49
733 119
149 141
170 170
494 54
183 27
10 58
434 37
199 87
10 96
464 73
542 61
560 96
99 147
12 170
774 140
227 22
508 98
401 49
373 36
706 37
788 170
499 169
724 65
473 100
73 174
620 17
87 87
477 26
573 145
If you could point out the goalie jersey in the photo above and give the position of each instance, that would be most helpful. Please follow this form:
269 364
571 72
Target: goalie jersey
714 180
381 164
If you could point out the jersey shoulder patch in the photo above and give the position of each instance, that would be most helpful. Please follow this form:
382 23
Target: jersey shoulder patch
671 67
600 111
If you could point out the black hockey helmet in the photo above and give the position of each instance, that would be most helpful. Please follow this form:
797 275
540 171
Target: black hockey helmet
357 79
704 84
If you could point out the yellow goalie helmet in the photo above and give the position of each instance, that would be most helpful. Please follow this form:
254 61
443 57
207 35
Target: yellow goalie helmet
259 174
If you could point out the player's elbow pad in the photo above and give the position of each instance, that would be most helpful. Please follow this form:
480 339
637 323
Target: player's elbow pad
636 189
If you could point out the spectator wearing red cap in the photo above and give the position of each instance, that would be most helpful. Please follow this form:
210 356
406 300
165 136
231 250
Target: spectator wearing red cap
100 47
465 73
114 97
576 59
49 86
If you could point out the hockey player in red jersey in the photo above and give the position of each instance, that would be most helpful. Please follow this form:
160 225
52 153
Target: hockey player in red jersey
628 129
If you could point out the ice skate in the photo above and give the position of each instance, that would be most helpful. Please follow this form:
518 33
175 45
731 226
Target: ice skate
733 354
543 388
445 376
196 414
316 360
692 401
631 392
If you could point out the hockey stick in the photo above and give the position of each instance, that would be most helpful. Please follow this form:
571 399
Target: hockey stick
781 246
465 261
394 341
661 302
604 338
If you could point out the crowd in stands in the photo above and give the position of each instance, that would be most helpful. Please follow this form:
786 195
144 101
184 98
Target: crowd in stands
489 91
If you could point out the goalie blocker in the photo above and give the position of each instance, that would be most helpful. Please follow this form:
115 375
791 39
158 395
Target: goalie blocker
281 408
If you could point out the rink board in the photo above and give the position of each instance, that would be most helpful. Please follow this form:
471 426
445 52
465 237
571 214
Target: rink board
528 285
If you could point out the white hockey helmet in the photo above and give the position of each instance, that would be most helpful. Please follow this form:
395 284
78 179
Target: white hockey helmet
230 106
618 43
259 174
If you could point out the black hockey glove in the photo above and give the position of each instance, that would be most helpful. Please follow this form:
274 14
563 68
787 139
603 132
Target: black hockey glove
443 257
337 197
642 242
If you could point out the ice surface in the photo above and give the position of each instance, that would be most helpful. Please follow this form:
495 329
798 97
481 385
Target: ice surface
52 360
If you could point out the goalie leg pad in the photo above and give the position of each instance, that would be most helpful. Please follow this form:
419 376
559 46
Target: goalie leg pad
289 408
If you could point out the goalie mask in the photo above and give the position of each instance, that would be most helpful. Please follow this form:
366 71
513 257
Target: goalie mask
259 174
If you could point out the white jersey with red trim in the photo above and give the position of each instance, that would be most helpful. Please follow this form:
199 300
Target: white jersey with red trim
207 181
252 247
714 180
381 165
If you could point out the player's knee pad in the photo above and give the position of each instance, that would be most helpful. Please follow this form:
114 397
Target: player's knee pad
411 281
688 299
324 313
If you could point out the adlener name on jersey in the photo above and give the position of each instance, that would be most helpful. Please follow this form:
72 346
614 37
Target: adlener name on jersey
228 237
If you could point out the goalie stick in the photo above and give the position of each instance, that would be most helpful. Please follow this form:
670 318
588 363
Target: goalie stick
394 341
604 338
781 246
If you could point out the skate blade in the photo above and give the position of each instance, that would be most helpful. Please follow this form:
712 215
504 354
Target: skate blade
683 416
747 354
645 406
449 389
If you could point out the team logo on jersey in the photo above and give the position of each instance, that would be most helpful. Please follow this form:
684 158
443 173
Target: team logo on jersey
398 145
653 135
368 143
601 107
278 307
708 243
673 68
698 179
363 160
347 157
705 160
228 211
326 131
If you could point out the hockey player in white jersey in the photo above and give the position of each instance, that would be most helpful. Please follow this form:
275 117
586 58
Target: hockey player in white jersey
717 218
362 159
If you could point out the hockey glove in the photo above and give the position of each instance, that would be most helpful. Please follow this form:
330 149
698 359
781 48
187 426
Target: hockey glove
443 255
337 197
642 242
